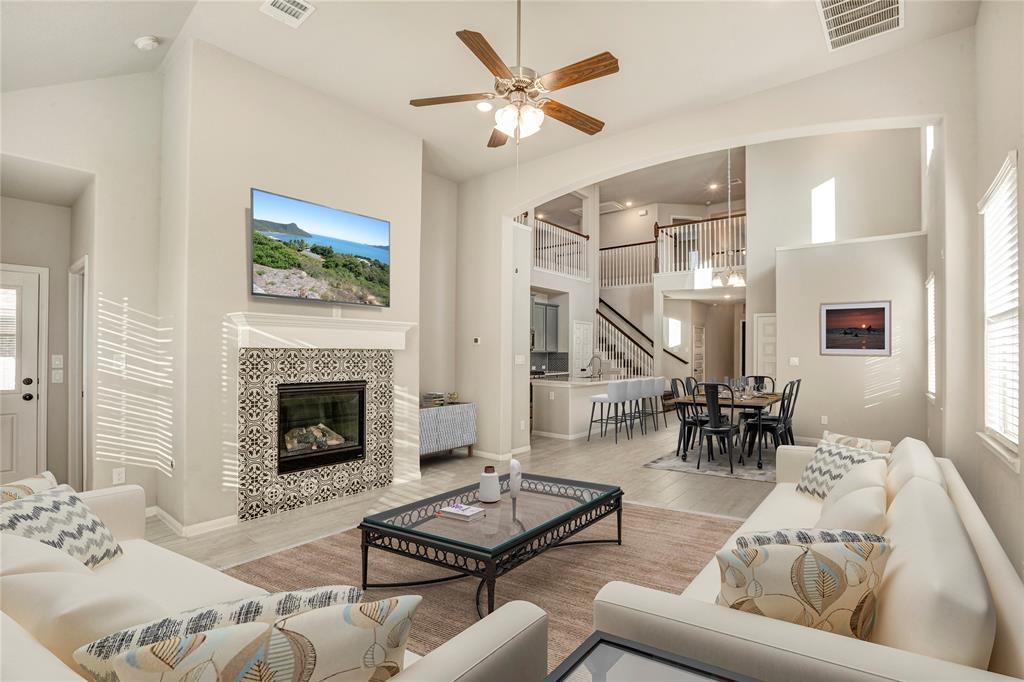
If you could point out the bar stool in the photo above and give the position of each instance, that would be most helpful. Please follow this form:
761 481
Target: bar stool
615 399
634 395
648 393
659 396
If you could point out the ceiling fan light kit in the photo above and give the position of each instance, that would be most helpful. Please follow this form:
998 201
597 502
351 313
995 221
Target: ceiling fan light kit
524 92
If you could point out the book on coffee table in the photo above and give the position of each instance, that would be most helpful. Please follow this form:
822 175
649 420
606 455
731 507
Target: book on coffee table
462 512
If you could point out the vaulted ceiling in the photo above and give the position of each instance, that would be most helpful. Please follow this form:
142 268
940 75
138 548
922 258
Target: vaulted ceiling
377 55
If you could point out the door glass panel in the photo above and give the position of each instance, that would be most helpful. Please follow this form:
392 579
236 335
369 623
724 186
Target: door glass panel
8 338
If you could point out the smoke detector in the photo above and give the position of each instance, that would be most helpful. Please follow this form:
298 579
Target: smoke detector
289 12
147 43
850 21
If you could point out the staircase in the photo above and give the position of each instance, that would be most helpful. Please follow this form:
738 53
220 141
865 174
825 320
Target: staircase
627 348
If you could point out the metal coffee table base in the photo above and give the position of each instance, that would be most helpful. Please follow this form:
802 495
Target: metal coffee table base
486 566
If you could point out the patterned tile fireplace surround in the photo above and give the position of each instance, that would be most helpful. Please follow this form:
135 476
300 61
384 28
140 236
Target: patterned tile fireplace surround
302 359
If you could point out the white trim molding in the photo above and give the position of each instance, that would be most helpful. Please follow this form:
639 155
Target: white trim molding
1004 454
271 330
194 529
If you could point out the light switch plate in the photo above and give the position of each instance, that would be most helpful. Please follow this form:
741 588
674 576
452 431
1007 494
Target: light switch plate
118 476
57 376
520 359
794 362
824 420
551 395
57 361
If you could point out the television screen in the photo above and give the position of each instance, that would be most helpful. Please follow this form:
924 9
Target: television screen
311 252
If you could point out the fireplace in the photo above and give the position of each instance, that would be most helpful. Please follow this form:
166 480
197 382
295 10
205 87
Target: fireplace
319 424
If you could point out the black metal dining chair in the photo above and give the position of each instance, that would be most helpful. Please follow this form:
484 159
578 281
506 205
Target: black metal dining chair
719 426
691 417
761 383
778 427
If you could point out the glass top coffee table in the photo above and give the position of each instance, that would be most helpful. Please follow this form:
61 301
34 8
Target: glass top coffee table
547 512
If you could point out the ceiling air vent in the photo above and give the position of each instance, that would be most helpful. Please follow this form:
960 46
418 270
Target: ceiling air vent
291 12
850 21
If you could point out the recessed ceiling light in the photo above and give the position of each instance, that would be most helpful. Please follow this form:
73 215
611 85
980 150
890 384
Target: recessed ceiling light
484 106
728 296
540 216
628 204
713 185
147 43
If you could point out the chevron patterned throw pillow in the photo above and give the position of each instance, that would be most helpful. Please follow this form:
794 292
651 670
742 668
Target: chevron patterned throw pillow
60 518
830 463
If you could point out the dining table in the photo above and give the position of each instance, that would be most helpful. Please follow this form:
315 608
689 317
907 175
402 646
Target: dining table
753 401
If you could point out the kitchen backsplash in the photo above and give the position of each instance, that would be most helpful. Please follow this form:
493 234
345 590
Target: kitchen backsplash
549 362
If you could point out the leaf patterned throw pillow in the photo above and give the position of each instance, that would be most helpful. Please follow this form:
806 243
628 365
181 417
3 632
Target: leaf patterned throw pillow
344 643
831 586
97 657
830 463
60 518
27 486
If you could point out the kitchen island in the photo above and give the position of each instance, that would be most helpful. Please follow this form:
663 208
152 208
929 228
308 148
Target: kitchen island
561 406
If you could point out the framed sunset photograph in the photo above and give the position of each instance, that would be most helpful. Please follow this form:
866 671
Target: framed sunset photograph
856 328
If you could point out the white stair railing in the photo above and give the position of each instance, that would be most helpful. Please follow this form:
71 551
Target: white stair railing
712 244
627 355
627 265
560 250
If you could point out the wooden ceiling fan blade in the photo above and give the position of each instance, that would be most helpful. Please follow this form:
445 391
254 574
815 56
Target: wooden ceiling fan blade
450 99
498 138
479 46
572 117
599 65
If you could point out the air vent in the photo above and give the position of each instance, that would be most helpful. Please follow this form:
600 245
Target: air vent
850 21
606 207
291 12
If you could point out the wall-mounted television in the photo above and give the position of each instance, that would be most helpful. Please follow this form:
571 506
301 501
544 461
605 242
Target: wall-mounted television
301 250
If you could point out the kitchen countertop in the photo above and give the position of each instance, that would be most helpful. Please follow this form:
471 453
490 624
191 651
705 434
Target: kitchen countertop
566 381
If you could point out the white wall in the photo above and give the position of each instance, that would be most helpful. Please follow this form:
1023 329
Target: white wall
437 284
337 157
39 234
880 396
877 191
628 226
1000 111
111 128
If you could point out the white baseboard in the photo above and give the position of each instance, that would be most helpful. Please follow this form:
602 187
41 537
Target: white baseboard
477 452
520 450
561 436
194 529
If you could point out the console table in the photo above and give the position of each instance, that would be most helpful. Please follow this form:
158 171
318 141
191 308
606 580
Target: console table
447 427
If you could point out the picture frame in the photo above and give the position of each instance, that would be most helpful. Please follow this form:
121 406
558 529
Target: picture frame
859 329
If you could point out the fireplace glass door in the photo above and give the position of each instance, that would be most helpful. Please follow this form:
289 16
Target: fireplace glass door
320 424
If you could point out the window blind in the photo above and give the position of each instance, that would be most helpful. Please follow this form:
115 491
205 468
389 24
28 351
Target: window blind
1002 276
932 353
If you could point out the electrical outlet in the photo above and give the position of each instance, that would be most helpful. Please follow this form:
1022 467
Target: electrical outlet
824 420
522 424
57 361
794 362
118 476
56 376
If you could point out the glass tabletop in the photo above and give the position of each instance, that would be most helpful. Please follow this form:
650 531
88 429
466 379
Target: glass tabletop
542 501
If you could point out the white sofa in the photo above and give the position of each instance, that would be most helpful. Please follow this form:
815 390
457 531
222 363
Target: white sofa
950 598
52 605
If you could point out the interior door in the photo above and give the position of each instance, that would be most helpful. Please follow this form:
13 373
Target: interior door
765 345
19 367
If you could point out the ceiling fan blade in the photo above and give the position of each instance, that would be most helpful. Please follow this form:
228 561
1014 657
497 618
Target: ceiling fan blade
479 46
572 117
603 64
498 138
449 99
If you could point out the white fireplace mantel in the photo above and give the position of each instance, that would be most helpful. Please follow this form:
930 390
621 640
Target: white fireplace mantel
270 330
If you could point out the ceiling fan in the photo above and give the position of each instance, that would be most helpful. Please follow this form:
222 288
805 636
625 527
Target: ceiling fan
525 92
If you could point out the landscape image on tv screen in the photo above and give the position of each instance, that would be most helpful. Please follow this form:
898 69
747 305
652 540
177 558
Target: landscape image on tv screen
307 251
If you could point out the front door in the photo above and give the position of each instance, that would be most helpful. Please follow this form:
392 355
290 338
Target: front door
765 345
19 368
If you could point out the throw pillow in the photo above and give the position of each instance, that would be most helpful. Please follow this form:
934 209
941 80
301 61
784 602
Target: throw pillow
830 463
344 643
863 475
805 536
97 657
862 509
27 486
60 518
829 586
882 447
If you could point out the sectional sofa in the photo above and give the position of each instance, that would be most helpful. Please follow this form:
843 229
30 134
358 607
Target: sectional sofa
53 604
951 606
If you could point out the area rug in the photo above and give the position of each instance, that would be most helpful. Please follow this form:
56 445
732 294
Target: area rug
661 549
719 466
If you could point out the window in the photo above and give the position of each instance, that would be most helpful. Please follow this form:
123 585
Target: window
1001 252
932 354
823 212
